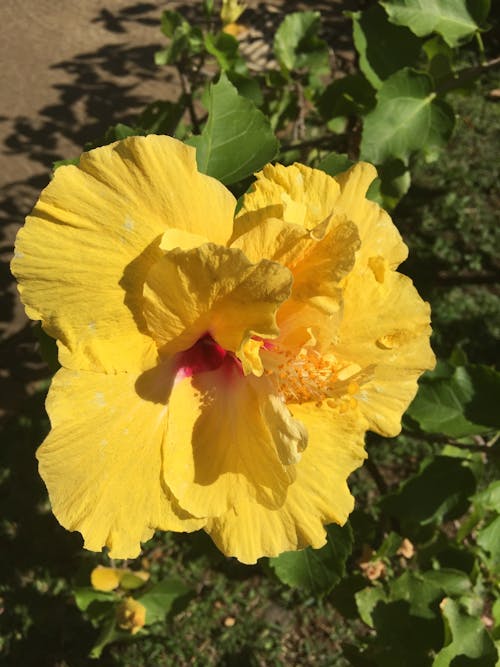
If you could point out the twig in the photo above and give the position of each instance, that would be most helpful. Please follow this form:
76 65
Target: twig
466 75
300 124
188 96
467 278
327 139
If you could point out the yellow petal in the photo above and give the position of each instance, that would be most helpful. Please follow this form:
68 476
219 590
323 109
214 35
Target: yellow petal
385 331
308 196
319 260
227 442
131 615
295 194
102 462
105 578
318 496
83 255
212 290
379 235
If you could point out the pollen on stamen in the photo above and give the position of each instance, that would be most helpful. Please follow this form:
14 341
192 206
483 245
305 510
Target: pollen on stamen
309 376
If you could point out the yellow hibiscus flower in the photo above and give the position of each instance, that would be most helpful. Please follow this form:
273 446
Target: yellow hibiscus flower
217 373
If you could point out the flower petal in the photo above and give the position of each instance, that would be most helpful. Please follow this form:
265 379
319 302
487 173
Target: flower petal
215 290
319 260
295 194
385 330
83 255
379 235
102 462
318 496
305 196
105 578
227 442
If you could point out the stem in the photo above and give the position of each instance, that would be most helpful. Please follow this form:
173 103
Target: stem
299 125
480 45
306 144
480 444
466 75
450 279
188 96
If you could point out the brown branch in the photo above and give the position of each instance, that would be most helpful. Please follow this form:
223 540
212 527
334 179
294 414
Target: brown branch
465 76
187 94
309 143
450 279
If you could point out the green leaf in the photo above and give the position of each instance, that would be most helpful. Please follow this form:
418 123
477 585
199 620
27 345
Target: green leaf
161 117
48 348
109 633
121 131
171 22
463 403
404 619
440 58
237 138
489 498
468 639
488 538
495 612
296 42
131 581
185 39
483 406
62 163
439 491
351 95
395 181
383 48
452 582
224 48
407 118
247 86
389 546
421 593
335 163
85 596
366 601
316 570
160 598
455 20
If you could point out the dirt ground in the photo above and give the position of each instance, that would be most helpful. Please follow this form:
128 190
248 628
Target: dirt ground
70 69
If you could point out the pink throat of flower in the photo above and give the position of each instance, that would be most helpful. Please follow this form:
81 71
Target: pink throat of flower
205 355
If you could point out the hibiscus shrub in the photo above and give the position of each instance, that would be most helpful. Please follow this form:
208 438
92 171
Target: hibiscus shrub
234 336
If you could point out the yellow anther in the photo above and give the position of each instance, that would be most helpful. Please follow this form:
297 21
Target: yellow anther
353 388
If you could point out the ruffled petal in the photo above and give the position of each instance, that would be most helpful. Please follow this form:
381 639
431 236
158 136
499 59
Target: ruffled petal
319 260
212 290
385 331
378 234
102 462
296 194
318 496
228 441
82 257
306 196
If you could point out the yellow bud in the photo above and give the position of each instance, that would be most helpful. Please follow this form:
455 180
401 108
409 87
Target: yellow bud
131 615
105 578
231 11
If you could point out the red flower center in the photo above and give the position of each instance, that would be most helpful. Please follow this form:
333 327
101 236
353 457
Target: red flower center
205 355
